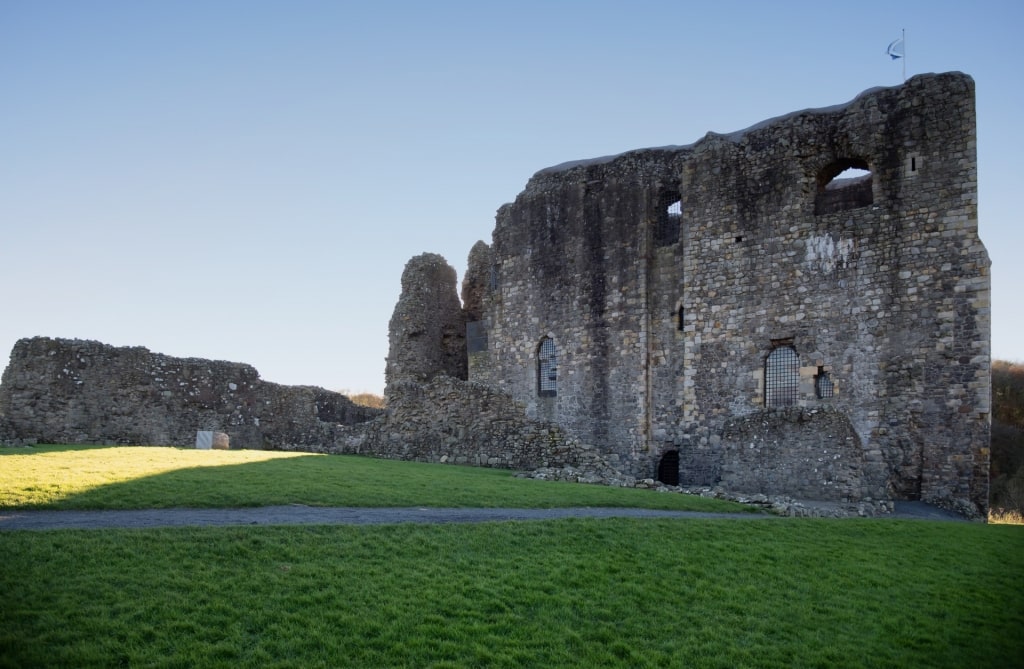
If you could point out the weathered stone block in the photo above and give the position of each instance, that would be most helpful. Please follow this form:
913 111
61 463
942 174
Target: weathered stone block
220 441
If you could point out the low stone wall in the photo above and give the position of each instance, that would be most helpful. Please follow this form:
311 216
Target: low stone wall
805 453
85 392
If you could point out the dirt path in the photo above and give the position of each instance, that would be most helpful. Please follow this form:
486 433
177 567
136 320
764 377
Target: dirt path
297 514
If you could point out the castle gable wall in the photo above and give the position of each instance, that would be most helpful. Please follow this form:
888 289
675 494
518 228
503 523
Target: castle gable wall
667 277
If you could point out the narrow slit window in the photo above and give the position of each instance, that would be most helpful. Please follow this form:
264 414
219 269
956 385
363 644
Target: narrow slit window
782 377
547 368
912 164
492 279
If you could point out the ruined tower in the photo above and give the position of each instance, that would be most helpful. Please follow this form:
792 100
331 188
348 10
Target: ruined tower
427 332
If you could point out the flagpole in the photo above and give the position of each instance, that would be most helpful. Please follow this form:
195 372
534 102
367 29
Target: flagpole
903 36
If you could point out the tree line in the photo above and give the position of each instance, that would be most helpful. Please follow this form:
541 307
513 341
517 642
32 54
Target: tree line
1006 493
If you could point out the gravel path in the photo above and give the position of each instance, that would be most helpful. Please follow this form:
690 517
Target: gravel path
297 514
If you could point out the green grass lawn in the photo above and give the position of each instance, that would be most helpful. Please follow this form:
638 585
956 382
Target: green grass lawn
580 593
584 593
149 477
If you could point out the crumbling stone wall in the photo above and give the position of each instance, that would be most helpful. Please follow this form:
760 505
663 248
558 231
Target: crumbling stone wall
448 420
427 332
665 278
84 392
433 414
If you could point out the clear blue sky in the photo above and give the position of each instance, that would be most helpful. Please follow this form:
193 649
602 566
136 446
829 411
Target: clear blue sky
245 180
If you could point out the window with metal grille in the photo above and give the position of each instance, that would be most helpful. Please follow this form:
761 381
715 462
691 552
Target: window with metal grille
823 384
781 377
547 368
666 230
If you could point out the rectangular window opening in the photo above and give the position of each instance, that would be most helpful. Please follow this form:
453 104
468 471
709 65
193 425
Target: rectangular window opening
782 377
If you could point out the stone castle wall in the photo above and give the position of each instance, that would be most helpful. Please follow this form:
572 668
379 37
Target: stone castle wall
665 279
84 392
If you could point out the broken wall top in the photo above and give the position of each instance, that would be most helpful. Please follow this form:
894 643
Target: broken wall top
874 126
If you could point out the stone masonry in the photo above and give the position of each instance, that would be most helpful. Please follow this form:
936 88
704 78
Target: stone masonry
428 329
741 305
447 420
84 392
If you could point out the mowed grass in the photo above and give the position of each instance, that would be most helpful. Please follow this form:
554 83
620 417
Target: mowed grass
149 477
566 593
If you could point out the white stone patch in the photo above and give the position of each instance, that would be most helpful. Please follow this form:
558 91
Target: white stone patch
204 439
825 254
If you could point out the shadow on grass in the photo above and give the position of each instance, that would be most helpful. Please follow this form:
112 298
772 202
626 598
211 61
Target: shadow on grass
292 480
302 478
331 480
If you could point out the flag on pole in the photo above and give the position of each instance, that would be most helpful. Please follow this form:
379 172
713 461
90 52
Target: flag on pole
895 49
898 51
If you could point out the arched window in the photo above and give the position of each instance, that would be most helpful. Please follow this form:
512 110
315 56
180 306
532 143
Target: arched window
823 387
782 377
547 368
845 184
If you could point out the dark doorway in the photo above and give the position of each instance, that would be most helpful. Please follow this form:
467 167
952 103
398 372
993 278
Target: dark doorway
668 468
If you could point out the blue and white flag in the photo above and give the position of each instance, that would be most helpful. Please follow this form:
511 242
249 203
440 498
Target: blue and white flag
895 49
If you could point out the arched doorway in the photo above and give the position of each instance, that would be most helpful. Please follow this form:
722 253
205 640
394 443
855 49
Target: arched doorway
668 468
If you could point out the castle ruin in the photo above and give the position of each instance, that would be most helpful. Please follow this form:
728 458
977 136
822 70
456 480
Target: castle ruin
732 313
737 313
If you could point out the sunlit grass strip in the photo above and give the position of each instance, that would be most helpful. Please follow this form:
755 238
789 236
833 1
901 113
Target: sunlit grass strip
45 475
584 593
155 477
